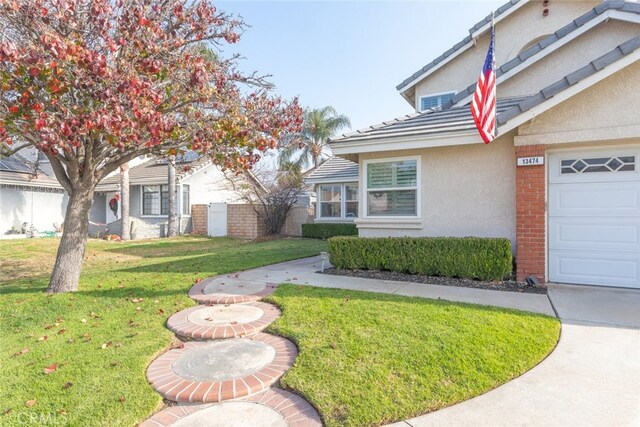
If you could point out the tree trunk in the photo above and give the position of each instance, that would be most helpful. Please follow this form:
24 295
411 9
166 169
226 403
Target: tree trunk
173 209
66 271
124 201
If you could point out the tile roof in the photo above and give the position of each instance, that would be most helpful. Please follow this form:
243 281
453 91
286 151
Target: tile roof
430 122
502 9
334 169
154 171
458 118
545 43
569 80
17 170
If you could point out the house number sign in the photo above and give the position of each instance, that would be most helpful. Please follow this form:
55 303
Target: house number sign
530 161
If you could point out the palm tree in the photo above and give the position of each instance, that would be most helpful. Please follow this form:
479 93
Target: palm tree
319 125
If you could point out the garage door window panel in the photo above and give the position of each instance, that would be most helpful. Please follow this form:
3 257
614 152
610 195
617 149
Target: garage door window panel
599 164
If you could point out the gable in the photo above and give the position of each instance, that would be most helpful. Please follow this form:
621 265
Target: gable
514 33
607 110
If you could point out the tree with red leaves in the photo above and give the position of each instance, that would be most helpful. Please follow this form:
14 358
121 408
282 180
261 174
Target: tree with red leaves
93 84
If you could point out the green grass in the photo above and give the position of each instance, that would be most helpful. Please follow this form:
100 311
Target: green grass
96 386
369 359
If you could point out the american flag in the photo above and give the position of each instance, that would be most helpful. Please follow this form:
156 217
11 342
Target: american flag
483 105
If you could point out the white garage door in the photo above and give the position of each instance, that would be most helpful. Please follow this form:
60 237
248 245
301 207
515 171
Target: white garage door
594 217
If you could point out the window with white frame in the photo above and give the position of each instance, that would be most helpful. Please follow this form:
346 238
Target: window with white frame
186 202
434 101
392 188
155 200
338 201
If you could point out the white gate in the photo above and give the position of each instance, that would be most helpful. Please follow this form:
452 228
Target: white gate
217 219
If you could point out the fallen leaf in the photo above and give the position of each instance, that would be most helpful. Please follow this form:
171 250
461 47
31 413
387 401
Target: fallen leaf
178 345
71 340
43 338
334 345
62 331
161 311
208 319
107 344
136 300
156 301
62 412
21 352
83 320
48 326
51 368
122 399
30 403
6 411
118 344
234 322
138 308
114 363
67 385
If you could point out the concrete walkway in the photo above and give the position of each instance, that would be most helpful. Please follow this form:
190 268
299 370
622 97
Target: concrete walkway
591 379
304 271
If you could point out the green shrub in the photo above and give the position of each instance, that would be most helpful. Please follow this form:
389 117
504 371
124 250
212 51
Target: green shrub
465 257
326 230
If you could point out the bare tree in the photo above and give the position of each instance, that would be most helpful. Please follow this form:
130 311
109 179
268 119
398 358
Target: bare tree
271 195
124 201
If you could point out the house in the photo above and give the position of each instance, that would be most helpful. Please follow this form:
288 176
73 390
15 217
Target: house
31 200
562 178
335 183
198 182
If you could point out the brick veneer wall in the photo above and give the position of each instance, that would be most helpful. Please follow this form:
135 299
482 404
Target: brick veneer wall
199 219
530 215
242 222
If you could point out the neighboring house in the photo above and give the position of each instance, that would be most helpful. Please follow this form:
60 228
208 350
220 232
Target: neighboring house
561 180
29 199
197 182
336 185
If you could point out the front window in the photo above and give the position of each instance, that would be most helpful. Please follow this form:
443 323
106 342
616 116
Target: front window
435 101
331 201
155 200
392 188
338 201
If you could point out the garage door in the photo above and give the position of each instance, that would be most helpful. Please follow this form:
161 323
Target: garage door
594 217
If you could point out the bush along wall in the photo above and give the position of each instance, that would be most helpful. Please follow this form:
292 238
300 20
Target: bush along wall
324 230
464 257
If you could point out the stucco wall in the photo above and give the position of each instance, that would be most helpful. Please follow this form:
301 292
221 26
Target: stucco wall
465 191
209 185
512 34
585 118
44 208
575 54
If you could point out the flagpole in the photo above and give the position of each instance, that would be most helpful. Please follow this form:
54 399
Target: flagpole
493 31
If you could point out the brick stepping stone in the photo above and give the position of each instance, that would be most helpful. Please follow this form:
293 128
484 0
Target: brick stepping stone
214 371
229 290
272 408
204 322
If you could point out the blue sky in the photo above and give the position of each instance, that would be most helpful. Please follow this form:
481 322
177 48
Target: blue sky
350 54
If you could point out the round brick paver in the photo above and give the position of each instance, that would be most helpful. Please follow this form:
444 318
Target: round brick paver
220 370
229 290
223 321
272 408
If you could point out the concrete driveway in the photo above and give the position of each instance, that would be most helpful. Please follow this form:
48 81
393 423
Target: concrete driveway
591 379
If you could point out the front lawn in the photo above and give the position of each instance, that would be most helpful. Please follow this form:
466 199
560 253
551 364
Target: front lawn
79 359
368 359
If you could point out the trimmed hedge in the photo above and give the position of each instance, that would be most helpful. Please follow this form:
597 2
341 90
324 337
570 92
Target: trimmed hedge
465 257
326 230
